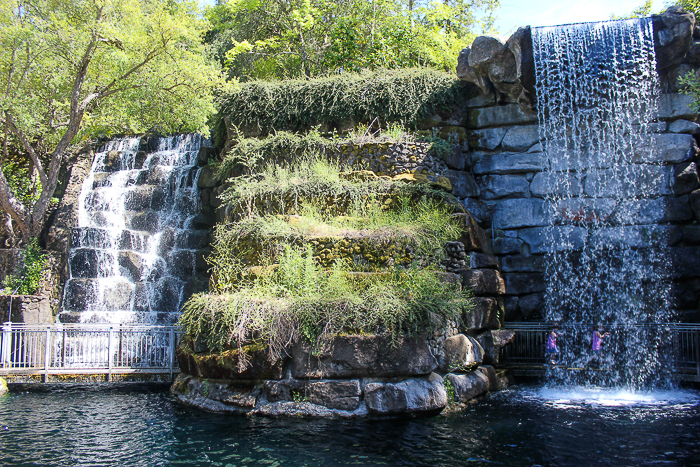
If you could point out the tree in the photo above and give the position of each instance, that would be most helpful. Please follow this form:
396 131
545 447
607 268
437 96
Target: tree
70 69
264 39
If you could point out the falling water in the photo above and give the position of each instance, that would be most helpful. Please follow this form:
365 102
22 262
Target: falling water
597 92
133 254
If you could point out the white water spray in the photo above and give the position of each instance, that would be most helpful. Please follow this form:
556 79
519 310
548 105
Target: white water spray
133 254
597 93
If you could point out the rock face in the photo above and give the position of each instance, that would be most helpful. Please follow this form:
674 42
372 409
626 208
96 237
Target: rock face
407 397
355 376
513 187
501 67
353 356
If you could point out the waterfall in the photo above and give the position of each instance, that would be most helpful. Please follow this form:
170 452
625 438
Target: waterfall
597 92
133 255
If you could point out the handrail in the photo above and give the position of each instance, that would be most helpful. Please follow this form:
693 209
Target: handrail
84 348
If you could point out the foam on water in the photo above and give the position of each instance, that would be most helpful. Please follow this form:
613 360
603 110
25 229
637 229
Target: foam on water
608 397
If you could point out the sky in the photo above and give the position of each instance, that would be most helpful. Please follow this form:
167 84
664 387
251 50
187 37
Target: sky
515 13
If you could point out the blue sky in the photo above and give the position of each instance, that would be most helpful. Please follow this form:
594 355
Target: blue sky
515 13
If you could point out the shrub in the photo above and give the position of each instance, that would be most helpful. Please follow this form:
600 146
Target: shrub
25 280
298 299
405 96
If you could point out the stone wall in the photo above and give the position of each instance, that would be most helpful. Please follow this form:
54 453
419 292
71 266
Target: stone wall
349 377
506 163
30 309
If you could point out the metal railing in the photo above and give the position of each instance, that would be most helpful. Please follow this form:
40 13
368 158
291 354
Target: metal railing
681 341
55 349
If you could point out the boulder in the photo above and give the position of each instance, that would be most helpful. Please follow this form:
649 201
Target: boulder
132 264
521 138
502 337
501 68
655 211
488 138
112 162
462 184
226 364
469 386
547 183
341 395
649 180
456 159
473 237
673 106
666 147
485 313
693 55
480 211
691 234
531 305
483 281
520 43
507 245
467 73
695 203
358 356
83 263
482 261
517 213
207 178
146 221
505 163
636 236
491 352
685 261
522 263
205 154
503 186
412 396
116 295
685 178
500 115
524 283
673 36
460 351
684 126
79 293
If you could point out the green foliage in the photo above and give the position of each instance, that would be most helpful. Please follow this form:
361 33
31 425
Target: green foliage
272 39
255 152
73 69
403 96
315 178
426 225
450 389
18 178
25 281
298 299
692 6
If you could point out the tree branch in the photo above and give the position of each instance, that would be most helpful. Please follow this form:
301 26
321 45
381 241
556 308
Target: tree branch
28 147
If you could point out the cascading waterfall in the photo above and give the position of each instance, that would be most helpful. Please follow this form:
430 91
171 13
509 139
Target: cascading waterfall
597 92
133 254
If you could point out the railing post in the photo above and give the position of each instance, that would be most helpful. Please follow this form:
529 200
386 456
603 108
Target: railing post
696 334
47 349
109 355
5 351
171 352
